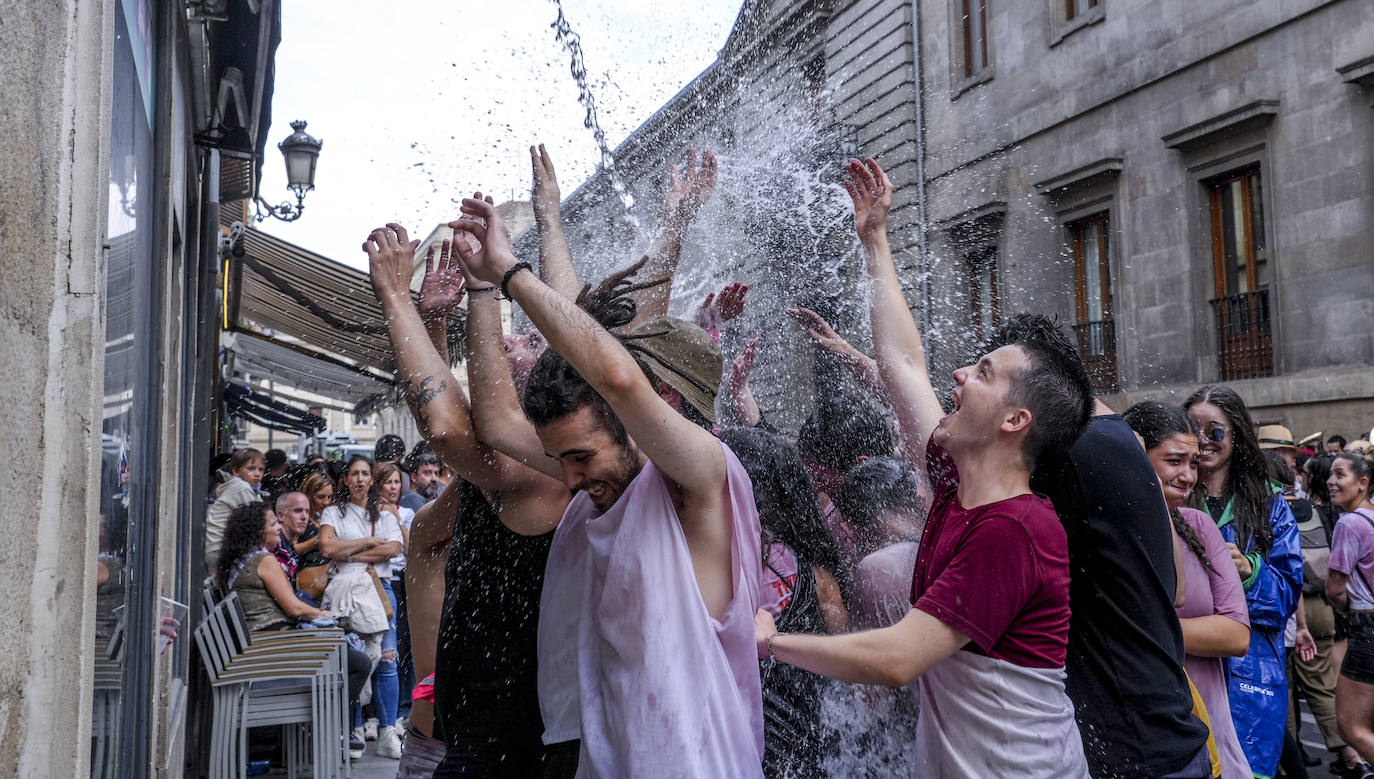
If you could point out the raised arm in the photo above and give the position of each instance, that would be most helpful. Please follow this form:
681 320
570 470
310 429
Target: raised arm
689 188
555 258
440 410
687 454
862 367
901 356
742 400
440 292
496 414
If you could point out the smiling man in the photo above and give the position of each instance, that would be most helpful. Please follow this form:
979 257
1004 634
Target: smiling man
988 631
653 578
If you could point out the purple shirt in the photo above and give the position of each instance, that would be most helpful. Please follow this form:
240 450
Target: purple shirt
1352 553
1210 593
882 586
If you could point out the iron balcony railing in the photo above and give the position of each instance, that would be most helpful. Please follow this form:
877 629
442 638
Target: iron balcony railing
1097 345
1245 342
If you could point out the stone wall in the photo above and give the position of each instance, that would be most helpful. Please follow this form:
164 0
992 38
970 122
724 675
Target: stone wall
52 201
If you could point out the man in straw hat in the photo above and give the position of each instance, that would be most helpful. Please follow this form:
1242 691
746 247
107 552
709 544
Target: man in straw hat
654 566
1280 439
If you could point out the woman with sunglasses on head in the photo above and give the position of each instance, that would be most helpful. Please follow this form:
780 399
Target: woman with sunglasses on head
1348 588
1262 539
1213 616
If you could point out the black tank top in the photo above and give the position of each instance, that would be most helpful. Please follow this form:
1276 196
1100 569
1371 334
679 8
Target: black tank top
794 740
486 661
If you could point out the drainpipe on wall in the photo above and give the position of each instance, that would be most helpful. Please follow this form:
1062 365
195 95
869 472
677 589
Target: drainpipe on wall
919 74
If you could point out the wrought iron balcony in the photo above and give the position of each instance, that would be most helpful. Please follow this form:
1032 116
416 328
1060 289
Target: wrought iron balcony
1245 343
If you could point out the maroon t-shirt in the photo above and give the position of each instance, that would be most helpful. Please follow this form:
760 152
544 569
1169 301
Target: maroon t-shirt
998 573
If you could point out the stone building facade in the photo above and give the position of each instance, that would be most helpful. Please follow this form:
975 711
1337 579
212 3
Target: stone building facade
1187 185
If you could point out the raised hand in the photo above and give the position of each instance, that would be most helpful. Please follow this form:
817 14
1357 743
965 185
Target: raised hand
744 363
544 193
730 304
492 255
871 191
444 283
390 254
689 188
823 335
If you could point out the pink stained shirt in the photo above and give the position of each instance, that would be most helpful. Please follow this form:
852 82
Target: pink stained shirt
1214 592
1352 553
779 579
664 689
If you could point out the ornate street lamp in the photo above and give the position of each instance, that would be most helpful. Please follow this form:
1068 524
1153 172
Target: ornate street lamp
301 152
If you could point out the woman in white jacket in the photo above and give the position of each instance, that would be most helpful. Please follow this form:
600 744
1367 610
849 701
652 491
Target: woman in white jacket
246 469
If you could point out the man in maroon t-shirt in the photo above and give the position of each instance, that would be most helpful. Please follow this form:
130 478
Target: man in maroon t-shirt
988 633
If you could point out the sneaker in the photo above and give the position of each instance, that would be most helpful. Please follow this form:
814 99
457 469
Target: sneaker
370 729
401 724
388 743
356 744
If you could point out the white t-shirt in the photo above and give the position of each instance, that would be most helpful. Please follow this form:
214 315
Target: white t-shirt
398 563
352 523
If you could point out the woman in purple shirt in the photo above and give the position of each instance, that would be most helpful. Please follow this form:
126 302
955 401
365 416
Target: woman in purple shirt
1348 587
1213 616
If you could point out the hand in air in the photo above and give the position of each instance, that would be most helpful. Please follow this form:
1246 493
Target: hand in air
390 253
716 310
823 335
444 283
871 191
764 629
492 255
689 188
544 193
744 364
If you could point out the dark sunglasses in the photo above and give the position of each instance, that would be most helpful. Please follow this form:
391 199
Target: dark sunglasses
1214 433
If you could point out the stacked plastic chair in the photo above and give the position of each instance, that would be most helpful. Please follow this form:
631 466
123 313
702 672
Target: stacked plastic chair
296 679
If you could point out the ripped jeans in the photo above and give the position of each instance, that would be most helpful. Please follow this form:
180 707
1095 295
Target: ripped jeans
386 685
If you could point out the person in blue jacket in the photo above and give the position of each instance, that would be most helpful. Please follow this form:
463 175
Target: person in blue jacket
1259 528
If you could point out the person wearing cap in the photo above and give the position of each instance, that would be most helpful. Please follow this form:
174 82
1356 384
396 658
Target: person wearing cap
1279 439
654 567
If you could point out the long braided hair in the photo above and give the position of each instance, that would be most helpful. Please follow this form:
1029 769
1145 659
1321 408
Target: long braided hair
1155 423
1247 475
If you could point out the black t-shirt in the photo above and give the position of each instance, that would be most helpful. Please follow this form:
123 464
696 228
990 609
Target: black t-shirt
1125 660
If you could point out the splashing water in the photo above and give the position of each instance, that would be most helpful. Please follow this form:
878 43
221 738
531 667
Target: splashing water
572 44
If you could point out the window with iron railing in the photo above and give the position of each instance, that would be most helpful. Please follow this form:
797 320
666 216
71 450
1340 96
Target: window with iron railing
975 36
1090 242
981 267
1240 265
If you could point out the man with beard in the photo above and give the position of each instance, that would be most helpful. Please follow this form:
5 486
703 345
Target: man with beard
656 557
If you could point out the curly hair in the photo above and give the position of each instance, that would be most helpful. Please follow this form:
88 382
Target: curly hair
1247 475
242 536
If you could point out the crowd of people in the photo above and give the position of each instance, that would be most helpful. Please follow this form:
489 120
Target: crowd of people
604 560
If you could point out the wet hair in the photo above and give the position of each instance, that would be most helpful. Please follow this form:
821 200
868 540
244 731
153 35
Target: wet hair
389 447
243 457
1361 464
1318 471
1155 423
1336 439
876 486
242 536
1279 470
342 497
1247 481
275 458
785 498
556 390
1054 387
421 449
845 426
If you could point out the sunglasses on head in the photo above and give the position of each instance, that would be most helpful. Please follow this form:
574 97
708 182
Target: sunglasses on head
1214 432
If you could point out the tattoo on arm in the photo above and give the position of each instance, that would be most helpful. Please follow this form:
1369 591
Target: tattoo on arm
420 395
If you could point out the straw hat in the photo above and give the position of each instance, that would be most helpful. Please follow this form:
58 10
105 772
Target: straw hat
1275 437
681 355
1359 446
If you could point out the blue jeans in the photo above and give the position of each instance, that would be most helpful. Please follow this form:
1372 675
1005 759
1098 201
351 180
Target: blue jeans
406 671
386 684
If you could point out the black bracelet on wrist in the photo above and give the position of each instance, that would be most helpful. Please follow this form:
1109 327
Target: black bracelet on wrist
505 281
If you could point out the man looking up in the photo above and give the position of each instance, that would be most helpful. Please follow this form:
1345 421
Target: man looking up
671 561
988 632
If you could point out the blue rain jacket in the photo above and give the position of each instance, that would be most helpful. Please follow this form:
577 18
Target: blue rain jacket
1258 685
